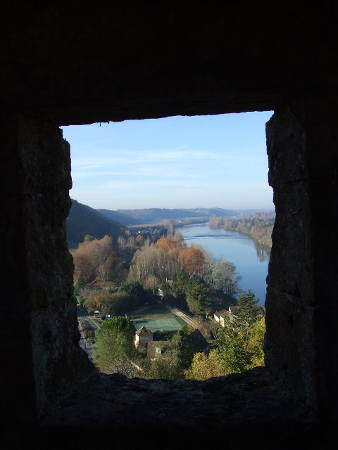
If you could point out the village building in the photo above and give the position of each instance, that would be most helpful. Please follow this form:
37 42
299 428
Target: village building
142 337
231 314
220 316
155 349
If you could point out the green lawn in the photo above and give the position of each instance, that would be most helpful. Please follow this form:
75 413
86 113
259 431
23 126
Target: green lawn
156 318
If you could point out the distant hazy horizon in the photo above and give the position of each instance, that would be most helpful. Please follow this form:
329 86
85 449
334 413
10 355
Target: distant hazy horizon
172 163
272 209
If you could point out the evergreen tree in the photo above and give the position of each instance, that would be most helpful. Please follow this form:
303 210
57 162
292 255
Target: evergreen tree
197 296
114 346
247 311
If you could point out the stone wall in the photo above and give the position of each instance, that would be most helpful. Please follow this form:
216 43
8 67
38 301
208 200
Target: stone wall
65 64
301 305
17 374
290 351
45 173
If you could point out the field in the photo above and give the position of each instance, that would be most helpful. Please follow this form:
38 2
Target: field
156 318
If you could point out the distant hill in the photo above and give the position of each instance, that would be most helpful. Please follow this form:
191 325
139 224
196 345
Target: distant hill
119 217
155 215
84 220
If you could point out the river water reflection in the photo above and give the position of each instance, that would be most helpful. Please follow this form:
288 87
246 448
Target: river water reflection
251 259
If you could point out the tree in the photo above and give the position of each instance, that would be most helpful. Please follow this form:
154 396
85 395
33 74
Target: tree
151 283
129 296
180 283
104 269
117 303
178 237
126 246
197 296
133 288
216 222
247 308
114 346
153 261
240 342
205 366
168 225
101 254
94 259
166 367
83 267
79 283
231 343
96 300
256 342
173 361
224 278
168 244
192 260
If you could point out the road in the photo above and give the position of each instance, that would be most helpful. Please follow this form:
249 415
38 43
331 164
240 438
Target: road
184 316
81 312
189 320
84 344
92 322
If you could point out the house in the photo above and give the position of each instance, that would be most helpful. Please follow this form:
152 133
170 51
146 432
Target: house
143 336
231 314
155 349
219 316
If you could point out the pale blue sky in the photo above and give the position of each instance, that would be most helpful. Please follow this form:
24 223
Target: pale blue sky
174 162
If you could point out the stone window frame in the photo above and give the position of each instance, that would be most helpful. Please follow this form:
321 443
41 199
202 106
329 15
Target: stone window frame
291 357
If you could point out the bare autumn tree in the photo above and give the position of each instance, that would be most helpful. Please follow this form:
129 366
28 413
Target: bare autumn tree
151 283
94 259
168 225
153 261
126 245
104 270
171 247
96 300
224 277
83 267
99 250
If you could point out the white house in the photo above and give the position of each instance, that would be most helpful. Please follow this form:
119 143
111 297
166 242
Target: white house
142 337
219 316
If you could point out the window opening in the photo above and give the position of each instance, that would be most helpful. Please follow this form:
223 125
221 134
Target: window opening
170 233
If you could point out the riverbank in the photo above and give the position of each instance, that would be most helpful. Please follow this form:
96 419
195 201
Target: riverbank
251 259
257 227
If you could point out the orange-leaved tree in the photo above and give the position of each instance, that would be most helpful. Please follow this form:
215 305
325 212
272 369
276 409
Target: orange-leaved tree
168 244
192 260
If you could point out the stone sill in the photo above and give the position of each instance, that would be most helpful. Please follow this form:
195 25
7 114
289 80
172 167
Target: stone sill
248 398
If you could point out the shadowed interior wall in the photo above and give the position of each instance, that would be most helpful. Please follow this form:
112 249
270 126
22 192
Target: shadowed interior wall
17 376
301 344
71 65
296 344
45 175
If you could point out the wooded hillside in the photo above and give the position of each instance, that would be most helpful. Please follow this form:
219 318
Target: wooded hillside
84 220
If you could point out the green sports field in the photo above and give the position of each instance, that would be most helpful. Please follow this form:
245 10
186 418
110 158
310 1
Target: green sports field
156 318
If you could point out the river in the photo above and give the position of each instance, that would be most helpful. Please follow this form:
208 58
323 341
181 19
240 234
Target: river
251 259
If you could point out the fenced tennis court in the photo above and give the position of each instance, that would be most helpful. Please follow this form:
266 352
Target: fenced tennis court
156 318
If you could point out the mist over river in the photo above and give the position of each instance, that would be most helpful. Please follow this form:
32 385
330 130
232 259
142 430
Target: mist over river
251 259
